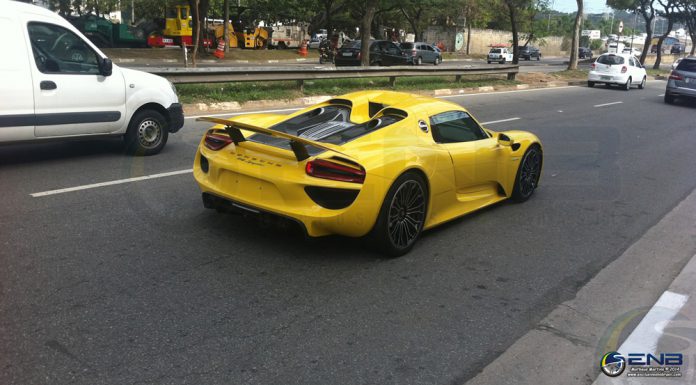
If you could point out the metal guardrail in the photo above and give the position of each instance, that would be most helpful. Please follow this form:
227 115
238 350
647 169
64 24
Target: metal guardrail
248 74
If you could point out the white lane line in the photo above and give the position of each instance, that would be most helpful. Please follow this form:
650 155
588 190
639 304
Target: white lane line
607 104
500 121
507 92
646 335
437 97
109 183
661 95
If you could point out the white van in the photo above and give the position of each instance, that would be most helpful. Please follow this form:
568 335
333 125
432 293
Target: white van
56 84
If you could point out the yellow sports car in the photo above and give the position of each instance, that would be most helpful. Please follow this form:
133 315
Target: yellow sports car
378 163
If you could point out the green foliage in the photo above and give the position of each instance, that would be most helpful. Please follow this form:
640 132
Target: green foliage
596 44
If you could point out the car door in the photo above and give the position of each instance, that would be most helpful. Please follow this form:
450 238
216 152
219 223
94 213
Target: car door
476 156
71 97
393 54
17 97
430 52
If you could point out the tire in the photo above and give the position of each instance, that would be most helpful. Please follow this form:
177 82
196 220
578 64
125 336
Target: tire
627 86
528 174
538 57
642 83
147 133
502 61
590 84
437 61
419 61
669 98
489 62
282 45
321 59
408 194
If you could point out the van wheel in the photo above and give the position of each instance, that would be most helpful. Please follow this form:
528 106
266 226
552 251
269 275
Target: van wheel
147 133
590 84
419 61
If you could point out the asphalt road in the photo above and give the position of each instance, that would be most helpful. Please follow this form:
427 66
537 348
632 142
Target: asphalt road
138 284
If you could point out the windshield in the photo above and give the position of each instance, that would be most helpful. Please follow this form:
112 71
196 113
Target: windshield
495 50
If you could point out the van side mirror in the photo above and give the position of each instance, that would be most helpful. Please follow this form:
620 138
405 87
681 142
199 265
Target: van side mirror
105 66
505 140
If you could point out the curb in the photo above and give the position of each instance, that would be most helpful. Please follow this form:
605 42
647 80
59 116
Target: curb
222 107
209 61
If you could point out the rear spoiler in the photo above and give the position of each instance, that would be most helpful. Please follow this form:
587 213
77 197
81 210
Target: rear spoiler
297 144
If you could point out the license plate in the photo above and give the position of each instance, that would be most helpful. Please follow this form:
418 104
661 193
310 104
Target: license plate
168 41
688 80
606 77
347 54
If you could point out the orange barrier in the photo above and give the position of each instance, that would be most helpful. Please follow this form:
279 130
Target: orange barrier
220 51
303 49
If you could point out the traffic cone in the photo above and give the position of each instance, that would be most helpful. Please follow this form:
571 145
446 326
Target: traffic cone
303 49
220 51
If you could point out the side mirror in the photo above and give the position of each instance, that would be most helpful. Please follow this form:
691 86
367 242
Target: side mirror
105 67
505 140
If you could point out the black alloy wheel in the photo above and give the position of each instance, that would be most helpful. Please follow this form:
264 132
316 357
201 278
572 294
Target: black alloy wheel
528 174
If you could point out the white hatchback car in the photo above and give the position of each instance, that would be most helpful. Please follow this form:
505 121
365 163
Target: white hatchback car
621 69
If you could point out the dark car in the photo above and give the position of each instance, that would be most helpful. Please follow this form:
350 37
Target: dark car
584 53
682 80
528 52
382 53
422 53
677 49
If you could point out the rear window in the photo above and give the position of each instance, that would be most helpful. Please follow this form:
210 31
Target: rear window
352 44
687 65
406 45
610 60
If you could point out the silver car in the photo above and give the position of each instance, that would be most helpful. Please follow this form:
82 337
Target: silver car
682 80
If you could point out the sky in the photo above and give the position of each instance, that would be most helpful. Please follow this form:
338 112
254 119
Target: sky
591 6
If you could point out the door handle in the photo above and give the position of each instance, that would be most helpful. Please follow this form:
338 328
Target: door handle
48 85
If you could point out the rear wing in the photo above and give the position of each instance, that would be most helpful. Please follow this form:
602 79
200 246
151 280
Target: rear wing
297 144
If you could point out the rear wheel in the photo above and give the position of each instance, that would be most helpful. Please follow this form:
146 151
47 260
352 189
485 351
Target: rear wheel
438 60
489 62
627 86
669 98
147 133
590 84
538 57
528 174
502 61
419 61
402 215
642 83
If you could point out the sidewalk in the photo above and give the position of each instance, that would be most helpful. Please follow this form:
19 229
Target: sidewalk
669 327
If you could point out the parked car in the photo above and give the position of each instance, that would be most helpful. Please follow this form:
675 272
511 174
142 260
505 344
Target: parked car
682 80
632 51
676 62
621 69
382 53
57 84
584 53
528 52
422 53
677 49
501 55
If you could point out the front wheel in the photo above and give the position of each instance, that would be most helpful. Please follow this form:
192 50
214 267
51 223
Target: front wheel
528 174
489 62
438 60
419 61
402 215
642 84
147 133
502 61
590 84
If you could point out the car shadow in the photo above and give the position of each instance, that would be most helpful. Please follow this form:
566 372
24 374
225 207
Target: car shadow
19 153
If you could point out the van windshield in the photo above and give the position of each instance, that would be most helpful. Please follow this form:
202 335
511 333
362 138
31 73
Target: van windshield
495 50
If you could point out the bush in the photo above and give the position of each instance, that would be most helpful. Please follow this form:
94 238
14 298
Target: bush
596 44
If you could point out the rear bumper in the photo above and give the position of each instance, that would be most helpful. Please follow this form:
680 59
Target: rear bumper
599 77
674 89
176 117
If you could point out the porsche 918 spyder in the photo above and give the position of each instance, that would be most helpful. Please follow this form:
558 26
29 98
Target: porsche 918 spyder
372 163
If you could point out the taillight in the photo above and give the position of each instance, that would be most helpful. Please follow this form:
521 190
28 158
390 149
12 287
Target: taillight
359 55
215 141
593 66
675 76
320 168
414 53
624 69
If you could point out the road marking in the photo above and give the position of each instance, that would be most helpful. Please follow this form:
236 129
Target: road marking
607 104
661 95
507 92
500 121
438 97
646 335
110 183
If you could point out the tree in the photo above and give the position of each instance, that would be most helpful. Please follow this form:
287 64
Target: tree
573 62
514 7
226 25
366 32
417 13
670 12
687 10
647 11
